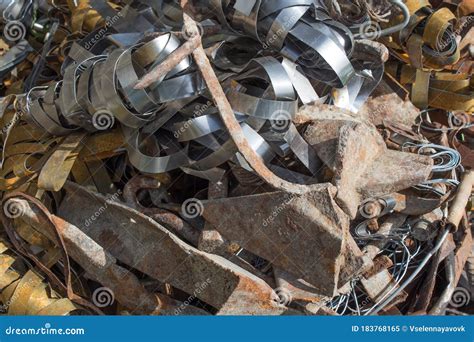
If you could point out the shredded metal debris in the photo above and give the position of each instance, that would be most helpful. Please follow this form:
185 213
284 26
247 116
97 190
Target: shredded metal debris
210 157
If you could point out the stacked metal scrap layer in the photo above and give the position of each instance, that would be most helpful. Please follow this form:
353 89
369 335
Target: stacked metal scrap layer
217 157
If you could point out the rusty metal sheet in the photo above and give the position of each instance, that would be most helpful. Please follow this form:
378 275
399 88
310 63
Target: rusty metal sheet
303 234
138 241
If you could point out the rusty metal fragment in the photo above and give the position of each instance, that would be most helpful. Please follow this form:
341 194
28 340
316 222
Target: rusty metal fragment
385 104
303 234
138 241
363 167
100 264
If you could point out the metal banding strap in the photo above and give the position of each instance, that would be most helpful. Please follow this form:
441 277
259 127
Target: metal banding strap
328 49
114 103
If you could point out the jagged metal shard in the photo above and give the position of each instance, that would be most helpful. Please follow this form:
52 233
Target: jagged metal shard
303 234
363 166
138 241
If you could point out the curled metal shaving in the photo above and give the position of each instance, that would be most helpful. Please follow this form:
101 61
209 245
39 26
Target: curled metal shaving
296 48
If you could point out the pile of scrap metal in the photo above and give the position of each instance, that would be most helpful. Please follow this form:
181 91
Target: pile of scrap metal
265 157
